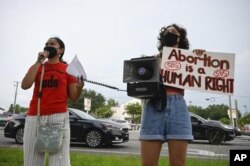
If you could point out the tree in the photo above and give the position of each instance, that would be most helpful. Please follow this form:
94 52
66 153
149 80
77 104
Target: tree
198 110
112 102
225 121
135 110
104 112
97 100
18 109
244 120
214 112
195 109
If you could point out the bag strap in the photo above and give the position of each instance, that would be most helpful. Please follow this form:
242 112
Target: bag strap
39 95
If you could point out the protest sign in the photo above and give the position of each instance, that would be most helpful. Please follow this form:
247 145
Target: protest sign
211 72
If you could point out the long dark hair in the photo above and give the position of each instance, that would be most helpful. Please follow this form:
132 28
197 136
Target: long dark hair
62 45
183 42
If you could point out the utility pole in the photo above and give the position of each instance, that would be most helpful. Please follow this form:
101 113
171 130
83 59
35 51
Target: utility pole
246 109
14 105
230 112
236 107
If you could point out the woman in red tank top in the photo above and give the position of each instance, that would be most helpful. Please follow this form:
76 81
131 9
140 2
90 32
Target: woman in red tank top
57 87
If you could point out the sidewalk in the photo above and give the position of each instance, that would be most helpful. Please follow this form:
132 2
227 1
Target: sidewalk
244 137
133 135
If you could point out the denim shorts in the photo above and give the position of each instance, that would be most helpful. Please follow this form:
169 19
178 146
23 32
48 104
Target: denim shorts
171 123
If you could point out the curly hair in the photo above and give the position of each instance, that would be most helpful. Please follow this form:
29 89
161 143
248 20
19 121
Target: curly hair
183 42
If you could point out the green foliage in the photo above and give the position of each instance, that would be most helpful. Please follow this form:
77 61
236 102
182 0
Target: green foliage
18 109
97 100
239 114
134 109
217 112
244 120
112 102
195 109
98 106
14 157
214 112
104 112
225 121
11 156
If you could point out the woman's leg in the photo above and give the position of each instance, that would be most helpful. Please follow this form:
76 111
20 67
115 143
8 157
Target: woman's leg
179 130
152 132
150 152
31 156
62 158
177 152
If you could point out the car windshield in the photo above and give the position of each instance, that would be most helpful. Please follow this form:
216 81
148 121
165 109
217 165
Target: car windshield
82 114
199 117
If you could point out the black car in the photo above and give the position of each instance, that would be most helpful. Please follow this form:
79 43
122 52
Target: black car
213 131
84 129
4 117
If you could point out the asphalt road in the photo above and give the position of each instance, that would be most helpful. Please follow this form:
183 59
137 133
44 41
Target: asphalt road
201 149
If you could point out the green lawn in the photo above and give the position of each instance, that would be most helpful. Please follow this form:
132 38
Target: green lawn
14 157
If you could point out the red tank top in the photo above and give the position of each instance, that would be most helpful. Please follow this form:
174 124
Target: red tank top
54 90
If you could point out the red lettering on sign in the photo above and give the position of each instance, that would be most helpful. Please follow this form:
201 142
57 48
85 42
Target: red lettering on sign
219 84
172 65
221 73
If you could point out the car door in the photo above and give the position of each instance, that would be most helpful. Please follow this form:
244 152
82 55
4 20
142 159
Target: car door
198 129
76 128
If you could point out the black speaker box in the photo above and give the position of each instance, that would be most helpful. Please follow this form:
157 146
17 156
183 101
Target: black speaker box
144 69
145 89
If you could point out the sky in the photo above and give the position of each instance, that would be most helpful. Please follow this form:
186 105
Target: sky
105 33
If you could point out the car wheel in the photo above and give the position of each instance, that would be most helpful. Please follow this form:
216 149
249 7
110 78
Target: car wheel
19 135
215 137
94 138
